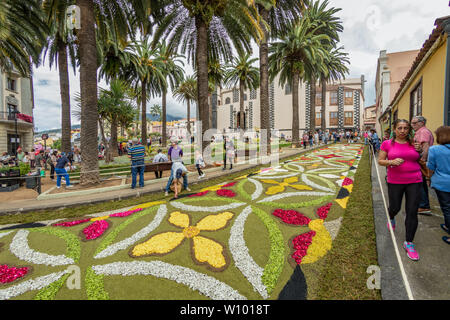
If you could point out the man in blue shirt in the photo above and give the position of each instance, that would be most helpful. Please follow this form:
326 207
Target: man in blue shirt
137 154
60 170
175 155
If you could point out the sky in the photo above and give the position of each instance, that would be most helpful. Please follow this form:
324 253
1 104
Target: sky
369 27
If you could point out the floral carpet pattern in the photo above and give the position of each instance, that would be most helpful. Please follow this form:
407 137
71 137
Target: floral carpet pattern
241 239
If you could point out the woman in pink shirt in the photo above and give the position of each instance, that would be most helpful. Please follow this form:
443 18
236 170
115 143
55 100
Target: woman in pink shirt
404 178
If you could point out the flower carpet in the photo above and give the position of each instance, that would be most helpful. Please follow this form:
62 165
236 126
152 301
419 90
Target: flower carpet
243 239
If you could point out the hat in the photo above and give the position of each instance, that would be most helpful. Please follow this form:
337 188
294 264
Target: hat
173 140
135 141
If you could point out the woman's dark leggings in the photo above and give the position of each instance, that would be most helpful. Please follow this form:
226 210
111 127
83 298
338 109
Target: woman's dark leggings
412 199
200 172
52 172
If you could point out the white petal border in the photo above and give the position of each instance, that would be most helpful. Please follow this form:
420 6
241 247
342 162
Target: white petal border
33 284
19 247
3 234
124 244
242 259
186 207
292 194
259 189
202 283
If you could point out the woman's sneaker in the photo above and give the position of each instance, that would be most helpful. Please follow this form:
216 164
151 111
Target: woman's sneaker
393 225
410 251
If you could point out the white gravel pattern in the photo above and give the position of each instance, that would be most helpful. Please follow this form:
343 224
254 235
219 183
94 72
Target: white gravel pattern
34 284
242 259
202 283
124 244
259 189
187 207
19 247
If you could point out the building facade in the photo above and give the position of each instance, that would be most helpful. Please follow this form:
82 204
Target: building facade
16 101
425 90
343 110
370 117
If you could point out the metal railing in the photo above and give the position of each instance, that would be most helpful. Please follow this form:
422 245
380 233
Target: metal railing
9 116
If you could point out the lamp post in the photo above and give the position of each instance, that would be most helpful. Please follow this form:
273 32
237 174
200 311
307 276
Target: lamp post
15 112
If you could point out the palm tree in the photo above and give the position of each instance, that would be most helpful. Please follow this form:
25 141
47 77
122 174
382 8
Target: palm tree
294 57
23 34
193 27
275 19
59 45
242 73
187 92
325 22
336 62
146 72
172 72
156 111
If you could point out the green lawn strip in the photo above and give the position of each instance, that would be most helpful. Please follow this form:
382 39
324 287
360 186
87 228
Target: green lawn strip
274 266
76 212
354 250
94 286
50 291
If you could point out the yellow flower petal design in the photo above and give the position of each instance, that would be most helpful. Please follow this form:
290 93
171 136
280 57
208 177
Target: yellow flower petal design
215 188
99 218
214 222
321 242
300 187
209 251
270 181
179 219
349 188
275 190
342 202
160 244
291 180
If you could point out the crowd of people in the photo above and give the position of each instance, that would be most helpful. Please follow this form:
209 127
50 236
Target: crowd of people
414 164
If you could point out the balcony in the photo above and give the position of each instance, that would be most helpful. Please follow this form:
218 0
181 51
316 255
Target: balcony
21 118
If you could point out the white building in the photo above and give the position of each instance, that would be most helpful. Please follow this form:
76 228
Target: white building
16 95
344 107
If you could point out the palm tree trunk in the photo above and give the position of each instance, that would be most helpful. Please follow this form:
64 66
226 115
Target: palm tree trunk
65 96
312 111
324 93
144 113
295 117
113 141
202 76
164 118
88 88
189 117
264 75
241 106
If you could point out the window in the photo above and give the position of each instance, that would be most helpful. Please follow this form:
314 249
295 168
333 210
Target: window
348 97
227 100
11 84
287 89
318 98
348 118
334 98
11 110
416 101
333 118
245 97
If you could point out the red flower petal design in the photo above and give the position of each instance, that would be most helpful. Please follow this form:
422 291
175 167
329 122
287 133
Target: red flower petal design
322 212
225 193
96 229
199 194
292 217
301 244
70 223
126 213
347 181
8 274
228 185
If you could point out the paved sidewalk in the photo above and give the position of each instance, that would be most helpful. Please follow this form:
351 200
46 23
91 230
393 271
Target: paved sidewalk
429 278
155 186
